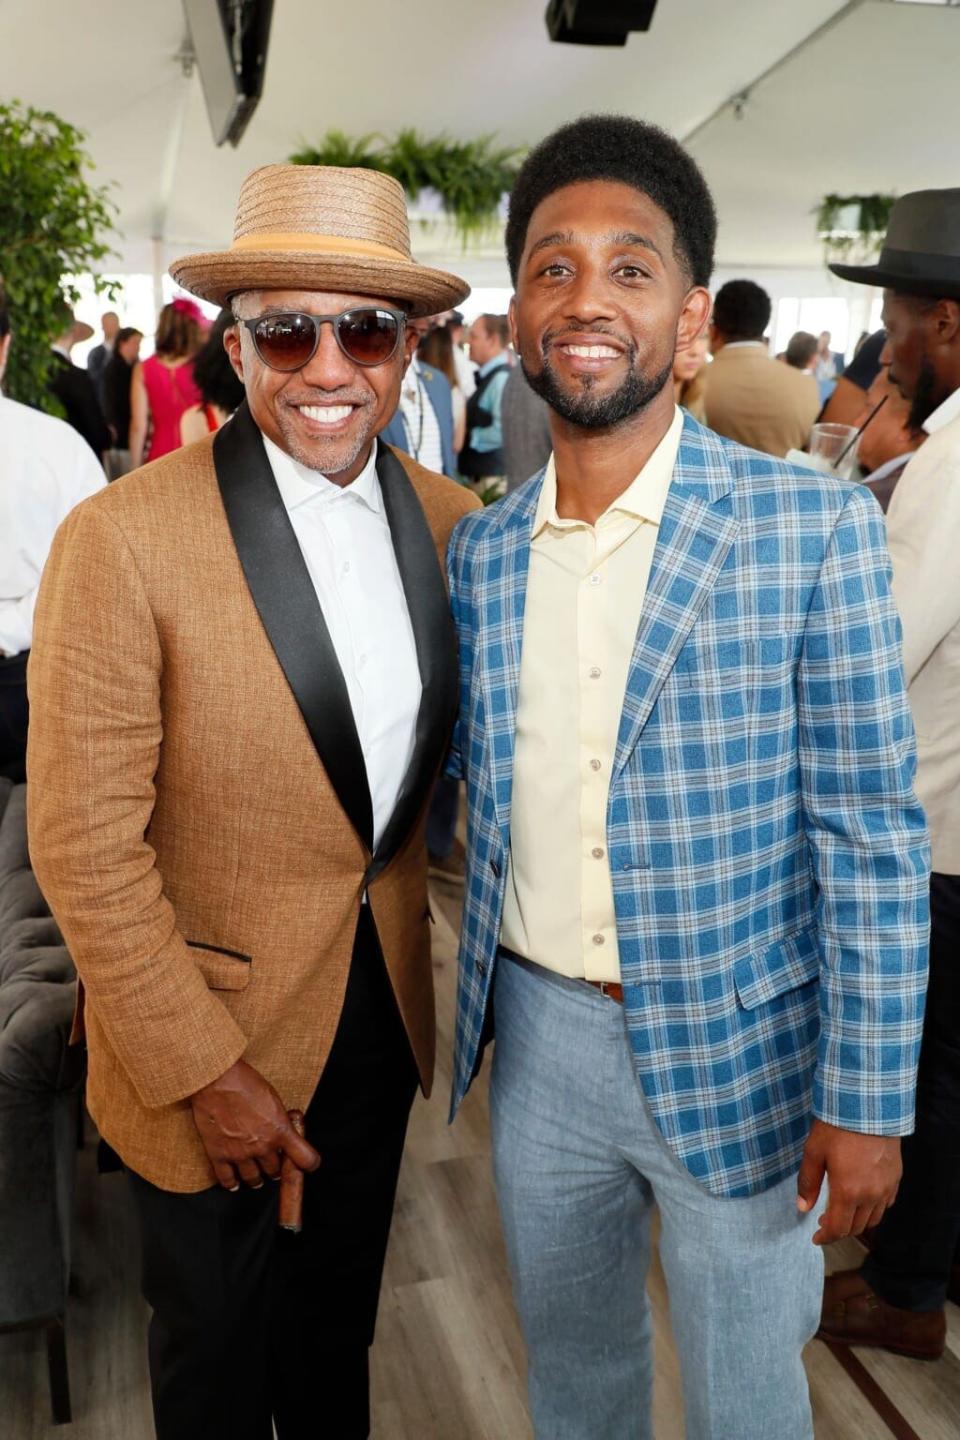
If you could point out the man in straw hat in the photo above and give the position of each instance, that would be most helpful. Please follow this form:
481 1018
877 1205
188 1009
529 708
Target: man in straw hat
243 685
896 1299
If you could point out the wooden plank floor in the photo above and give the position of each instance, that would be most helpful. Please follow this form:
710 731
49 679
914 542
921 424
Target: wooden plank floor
448 1363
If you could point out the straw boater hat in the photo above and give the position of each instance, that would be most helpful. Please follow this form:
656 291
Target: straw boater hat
321 227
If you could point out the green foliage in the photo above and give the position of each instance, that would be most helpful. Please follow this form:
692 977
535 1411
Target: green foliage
53 223
471 176
336 148
861 243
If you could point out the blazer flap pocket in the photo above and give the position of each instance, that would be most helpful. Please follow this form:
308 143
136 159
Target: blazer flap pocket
785 965
222 969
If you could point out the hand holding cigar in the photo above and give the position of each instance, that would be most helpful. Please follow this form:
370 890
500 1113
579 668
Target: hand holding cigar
246 1131
290 1213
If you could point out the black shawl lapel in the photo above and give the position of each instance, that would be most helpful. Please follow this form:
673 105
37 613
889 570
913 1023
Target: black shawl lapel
283 593
436 642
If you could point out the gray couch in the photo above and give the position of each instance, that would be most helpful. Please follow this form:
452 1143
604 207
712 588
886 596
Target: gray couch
41 1083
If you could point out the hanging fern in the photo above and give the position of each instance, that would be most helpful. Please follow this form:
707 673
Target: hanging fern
471 176
862 241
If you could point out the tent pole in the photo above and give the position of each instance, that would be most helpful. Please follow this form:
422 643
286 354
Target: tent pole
738 101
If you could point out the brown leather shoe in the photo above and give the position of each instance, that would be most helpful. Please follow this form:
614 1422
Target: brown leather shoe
854 1315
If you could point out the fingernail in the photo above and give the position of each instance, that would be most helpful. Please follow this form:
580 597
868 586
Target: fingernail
234 1189
802 1204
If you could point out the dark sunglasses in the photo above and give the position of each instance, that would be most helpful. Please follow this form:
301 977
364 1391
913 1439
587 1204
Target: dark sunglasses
367 335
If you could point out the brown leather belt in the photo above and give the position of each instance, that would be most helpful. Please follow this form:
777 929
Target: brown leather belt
611 988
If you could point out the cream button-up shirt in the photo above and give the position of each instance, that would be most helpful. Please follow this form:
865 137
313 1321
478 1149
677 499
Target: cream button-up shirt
585 591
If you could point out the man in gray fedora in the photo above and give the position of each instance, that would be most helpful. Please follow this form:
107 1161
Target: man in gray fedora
896 1299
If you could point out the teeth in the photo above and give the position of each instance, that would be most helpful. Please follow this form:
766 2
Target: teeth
593 352
326 414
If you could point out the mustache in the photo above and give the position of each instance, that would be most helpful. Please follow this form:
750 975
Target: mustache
570 332
328 397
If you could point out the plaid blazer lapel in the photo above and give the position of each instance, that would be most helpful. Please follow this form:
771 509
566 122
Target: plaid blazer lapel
697 529
502 599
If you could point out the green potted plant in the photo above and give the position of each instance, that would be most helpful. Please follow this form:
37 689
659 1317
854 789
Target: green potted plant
852 226
53 224
463 180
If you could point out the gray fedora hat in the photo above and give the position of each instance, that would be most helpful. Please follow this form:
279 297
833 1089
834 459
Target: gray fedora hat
921 249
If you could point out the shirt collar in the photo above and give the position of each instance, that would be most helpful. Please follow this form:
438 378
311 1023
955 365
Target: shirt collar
949 410
298 484
644 498
489 365
743 345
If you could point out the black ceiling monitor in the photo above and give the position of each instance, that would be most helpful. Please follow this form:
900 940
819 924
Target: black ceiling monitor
230 43
598 22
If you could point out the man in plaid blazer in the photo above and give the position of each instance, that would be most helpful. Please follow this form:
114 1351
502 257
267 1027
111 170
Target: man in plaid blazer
696 891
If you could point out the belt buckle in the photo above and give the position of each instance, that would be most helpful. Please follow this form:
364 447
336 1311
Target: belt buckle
604 987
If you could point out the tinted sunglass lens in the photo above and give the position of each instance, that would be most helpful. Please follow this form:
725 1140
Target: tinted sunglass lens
368 336
285 342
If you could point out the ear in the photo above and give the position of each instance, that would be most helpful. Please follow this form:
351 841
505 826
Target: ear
410 342
694 317
232 343
512 321
946 320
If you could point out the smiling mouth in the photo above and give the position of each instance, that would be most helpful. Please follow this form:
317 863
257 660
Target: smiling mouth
590 352
326 414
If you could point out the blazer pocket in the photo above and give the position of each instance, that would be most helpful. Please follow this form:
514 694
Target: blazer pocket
222 969
783 966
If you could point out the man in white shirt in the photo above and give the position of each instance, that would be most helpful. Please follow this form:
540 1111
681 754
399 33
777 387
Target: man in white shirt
896 1299
45 469
229 798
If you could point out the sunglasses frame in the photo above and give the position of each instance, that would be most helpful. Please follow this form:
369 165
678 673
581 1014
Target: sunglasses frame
318 321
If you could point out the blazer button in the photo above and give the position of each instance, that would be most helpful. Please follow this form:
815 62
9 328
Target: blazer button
481 968
495 867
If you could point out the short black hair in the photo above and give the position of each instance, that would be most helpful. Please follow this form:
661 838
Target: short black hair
215 377
742 310
630 152
127 333
4 316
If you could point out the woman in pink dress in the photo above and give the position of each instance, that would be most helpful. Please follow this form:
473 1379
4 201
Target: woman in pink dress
163 387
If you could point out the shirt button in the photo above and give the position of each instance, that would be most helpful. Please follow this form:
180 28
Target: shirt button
346 567
595 672
594 764
595 579
598 940
597 852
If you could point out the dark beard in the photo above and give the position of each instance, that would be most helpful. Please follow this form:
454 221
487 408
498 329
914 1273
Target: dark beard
598 412
925 399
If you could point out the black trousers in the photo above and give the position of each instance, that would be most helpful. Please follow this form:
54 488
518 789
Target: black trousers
251 1322
918 1240
13 716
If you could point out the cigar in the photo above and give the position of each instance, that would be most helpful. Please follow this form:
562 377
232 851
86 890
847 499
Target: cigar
290 1215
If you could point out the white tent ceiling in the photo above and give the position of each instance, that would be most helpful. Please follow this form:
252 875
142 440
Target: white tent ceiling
870 103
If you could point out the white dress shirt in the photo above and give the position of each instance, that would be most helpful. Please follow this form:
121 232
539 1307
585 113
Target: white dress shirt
420 418
345 538
45 469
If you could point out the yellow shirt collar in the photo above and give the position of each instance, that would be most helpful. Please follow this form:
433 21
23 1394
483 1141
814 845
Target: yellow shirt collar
644 498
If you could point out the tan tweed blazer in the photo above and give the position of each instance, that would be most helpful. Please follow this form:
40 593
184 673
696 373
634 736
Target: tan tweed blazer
182 826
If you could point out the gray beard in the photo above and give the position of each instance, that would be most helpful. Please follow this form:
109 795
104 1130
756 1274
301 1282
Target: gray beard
598 412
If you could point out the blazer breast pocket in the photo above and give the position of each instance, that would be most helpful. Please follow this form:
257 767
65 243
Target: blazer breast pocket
221 968
735 678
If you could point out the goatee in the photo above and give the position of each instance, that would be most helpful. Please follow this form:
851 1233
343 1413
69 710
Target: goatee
591 411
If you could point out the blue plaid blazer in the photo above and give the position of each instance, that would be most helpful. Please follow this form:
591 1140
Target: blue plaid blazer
769 858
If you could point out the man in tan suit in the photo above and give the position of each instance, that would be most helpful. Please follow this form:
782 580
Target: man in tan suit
242 686
750 397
